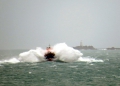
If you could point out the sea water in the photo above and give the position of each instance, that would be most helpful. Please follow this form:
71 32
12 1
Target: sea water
94 68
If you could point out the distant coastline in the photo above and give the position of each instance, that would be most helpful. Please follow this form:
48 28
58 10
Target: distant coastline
84 48
81 47
113 48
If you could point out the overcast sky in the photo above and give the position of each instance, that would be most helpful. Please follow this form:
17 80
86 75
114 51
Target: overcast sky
26 24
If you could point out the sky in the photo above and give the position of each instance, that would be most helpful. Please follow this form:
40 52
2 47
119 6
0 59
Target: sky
27 24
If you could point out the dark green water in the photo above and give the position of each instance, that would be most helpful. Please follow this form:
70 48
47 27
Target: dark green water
105 73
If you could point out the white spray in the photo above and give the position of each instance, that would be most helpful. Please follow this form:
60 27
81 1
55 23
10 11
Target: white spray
62 52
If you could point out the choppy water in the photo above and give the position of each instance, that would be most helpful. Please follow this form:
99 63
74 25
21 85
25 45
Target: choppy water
96 68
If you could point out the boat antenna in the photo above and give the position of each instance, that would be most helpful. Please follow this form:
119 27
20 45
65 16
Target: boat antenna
49 45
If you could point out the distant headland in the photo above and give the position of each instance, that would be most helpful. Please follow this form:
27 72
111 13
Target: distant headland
81 47
113 48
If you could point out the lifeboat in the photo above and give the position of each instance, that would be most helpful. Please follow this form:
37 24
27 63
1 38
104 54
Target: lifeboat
49 55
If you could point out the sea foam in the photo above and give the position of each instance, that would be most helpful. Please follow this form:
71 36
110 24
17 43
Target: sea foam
11 60
89 59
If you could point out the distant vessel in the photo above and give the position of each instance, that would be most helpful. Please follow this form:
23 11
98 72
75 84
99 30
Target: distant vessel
81 47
